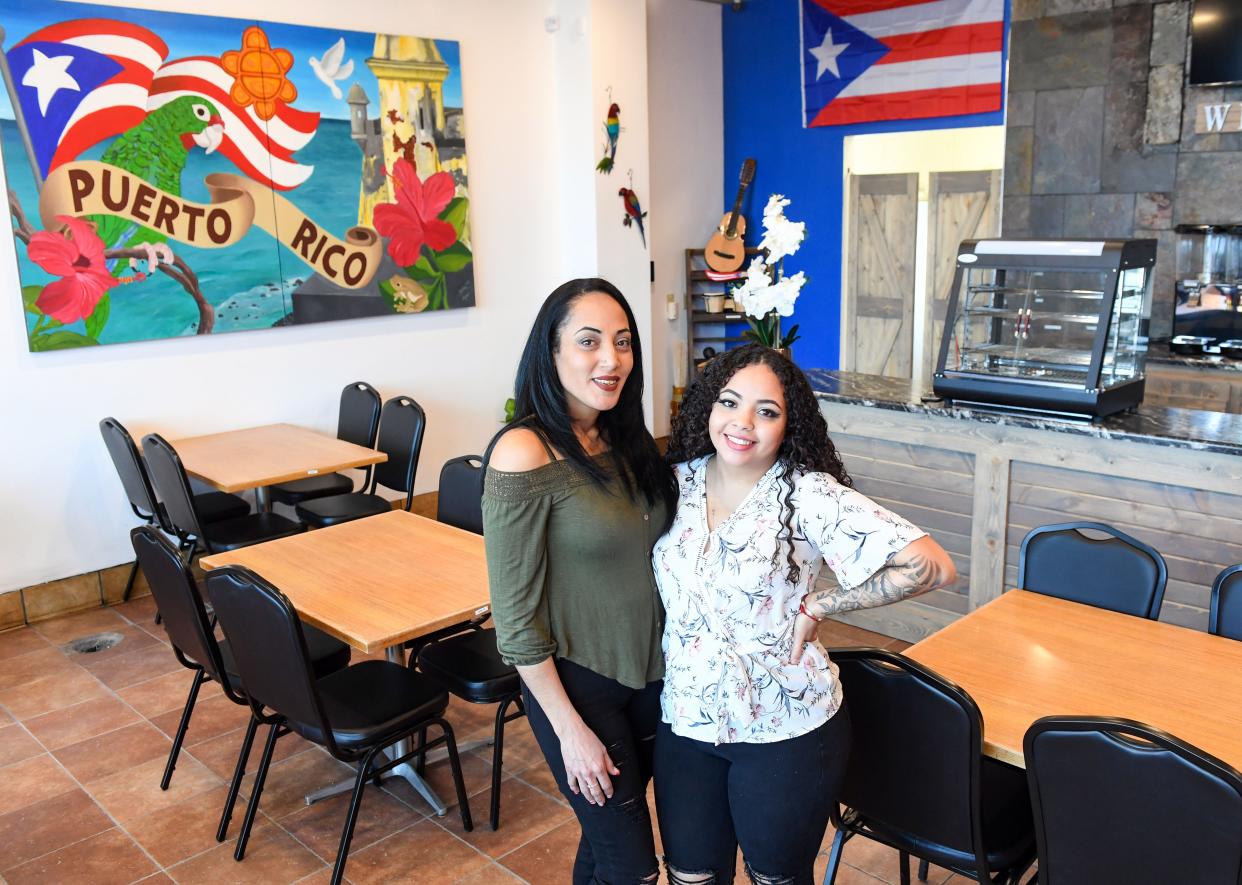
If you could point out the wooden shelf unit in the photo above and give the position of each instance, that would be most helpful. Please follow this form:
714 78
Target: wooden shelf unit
705 329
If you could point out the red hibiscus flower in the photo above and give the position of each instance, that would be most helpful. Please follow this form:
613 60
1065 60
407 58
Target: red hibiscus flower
413 219
78 259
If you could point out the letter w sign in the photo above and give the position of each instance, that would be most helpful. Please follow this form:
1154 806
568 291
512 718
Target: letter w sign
1218 118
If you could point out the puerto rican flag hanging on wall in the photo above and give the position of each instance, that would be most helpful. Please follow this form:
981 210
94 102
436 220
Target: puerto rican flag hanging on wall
869 60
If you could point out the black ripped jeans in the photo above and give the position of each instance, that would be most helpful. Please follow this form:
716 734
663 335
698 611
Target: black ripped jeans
617 846
772 799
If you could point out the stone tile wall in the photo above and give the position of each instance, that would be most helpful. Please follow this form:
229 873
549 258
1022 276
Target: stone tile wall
1100 134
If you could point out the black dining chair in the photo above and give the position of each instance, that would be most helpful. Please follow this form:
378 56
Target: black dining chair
354 713
917 779
173 486
459 504
191 633
1225 611
1119 573
1116 801
211 506
468 664
402 422
358 423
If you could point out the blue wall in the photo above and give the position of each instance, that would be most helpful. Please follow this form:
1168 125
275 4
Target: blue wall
763 119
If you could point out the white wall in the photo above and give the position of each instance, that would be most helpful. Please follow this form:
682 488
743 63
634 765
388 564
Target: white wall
63 511
686 112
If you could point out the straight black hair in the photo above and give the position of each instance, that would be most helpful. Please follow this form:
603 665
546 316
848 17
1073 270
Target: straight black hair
539 402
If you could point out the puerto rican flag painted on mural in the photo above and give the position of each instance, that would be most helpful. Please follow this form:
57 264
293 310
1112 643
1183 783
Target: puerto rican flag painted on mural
82 81
869 60
262 150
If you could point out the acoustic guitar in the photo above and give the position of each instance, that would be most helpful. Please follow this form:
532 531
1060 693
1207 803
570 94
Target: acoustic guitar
725 251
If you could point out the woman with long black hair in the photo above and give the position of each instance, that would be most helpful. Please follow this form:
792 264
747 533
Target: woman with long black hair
575 495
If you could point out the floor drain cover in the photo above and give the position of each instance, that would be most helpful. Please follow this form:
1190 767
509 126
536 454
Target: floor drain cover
98 642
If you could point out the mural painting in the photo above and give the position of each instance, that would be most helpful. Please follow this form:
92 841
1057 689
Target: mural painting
172 175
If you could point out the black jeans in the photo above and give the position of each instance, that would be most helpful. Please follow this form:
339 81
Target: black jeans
772 799
617 846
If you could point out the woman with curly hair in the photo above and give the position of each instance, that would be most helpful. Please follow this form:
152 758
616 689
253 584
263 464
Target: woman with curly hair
753 743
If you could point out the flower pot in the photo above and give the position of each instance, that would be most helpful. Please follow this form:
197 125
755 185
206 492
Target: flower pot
714 303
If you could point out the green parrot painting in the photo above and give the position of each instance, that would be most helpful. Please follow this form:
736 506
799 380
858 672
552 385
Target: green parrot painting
156 150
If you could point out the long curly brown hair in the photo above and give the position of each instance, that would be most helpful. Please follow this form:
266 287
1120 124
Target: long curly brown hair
805 448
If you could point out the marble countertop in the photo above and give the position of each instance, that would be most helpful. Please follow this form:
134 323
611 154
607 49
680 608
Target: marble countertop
1155 425
1160 353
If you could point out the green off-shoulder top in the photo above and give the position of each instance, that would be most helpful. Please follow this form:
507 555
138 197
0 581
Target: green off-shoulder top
569 568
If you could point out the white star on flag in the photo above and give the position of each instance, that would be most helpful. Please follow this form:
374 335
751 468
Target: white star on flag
826 54
49 76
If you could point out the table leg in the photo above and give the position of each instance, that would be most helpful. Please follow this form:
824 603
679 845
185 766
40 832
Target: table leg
396 654
263 499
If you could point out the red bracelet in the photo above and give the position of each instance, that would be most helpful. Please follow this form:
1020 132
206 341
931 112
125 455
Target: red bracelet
802 611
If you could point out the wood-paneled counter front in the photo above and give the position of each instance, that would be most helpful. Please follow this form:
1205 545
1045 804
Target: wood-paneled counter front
978 481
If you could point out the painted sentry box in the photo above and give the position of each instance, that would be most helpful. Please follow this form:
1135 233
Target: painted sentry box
172 175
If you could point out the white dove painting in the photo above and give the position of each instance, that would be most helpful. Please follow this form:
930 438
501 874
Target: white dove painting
332 67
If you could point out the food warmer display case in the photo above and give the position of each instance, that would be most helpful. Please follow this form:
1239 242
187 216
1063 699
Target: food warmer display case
1051 326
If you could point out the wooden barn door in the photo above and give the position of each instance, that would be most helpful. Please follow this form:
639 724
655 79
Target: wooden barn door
880 276
960 206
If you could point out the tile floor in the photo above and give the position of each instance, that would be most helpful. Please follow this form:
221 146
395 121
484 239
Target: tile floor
83 739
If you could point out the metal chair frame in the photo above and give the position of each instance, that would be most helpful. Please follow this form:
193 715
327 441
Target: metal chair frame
454 473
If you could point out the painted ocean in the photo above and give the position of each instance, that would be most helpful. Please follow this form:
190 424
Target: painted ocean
249 283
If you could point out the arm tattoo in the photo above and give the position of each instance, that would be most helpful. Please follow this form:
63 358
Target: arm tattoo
892 583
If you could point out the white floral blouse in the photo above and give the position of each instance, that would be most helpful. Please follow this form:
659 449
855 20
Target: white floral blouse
730 608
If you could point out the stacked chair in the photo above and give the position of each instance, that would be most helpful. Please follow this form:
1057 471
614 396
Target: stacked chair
917 779
1225 611
187 522
355 713
468 663
358 423
1119 573
130 467
402 423
192 635
1117 802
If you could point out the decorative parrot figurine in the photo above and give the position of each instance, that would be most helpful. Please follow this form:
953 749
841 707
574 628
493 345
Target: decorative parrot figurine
612 128
156 150
634 213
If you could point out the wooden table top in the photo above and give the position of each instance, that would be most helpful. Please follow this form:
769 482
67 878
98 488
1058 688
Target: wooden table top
1025 655
374 582
263 456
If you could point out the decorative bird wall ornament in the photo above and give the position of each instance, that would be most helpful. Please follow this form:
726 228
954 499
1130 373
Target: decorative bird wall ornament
634 213
612 129
156 150
332 67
